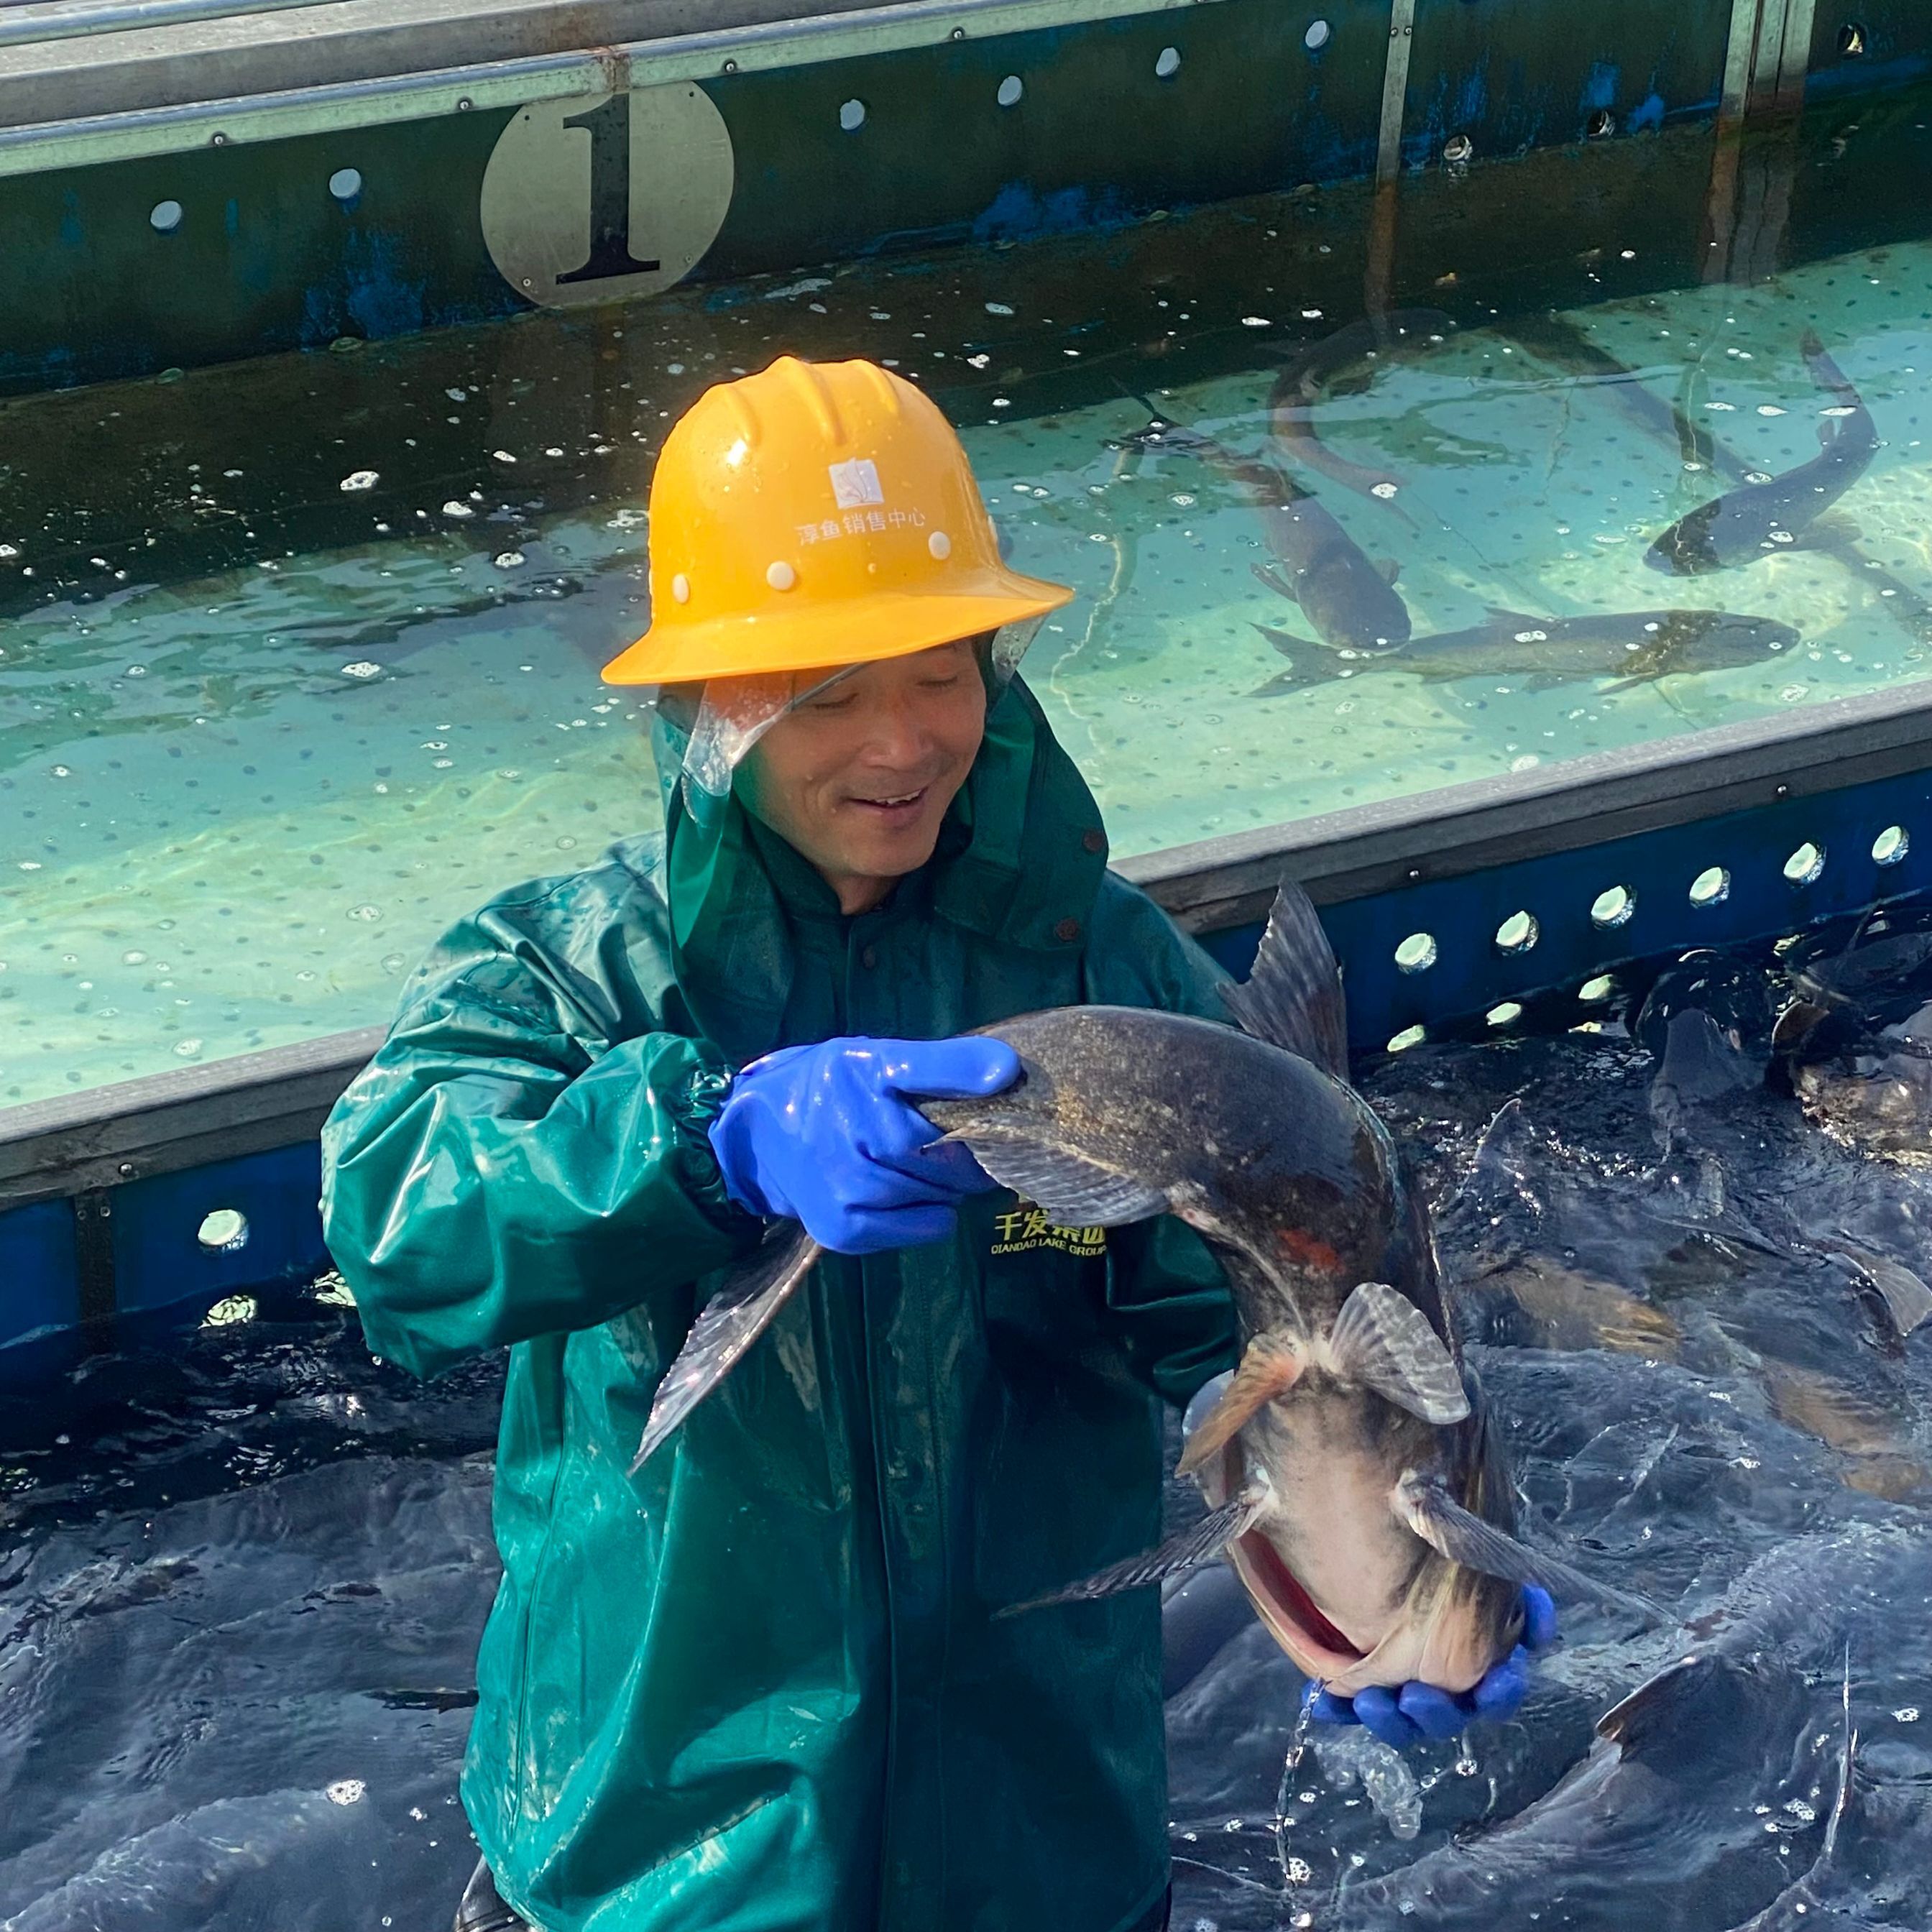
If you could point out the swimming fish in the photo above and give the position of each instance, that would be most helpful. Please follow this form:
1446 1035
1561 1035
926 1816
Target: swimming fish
1880 1102
1631 647
1844 991
1351 602
1756 519
1354 1483
1319 370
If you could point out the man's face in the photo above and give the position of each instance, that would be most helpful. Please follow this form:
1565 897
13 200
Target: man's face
858 778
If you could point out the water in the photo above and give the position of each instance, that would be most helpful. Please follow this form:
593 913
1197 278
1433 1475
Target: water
241 1586
301 656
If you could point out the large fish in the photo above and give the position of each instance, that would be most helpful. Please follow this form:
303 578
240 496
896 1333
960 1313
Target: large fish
1321 368
1756 519
1351 602
1355 1484
1629 647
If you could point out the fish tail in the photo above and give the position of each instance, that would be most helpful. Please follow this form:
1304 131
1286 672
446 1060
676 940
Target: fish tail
1825 372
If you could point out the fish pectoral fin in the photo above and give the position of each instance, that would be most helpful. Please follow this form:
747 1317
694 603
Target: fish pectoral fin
1907 1300
1275 581
1286 642
1270 1367
1382 1341
1831 531
730 1322
1198 1544
1075 1192
1464 1537
1292 997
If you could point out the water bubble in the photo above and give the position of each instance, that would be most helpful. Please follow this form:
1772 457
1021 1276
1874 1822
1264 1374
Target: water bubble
135 957
391 962
508 559
8 549
347 1791
187 1049
998 308
1384 490
455 508
359 479
457 395
362 667
1256 322
1906 1713
1769 409
503 456
1183 500
366 913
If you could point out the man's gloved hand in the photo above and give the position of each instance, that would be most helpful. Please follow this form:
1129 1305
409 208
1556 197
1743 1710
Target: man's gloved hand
1400 1717
829 1135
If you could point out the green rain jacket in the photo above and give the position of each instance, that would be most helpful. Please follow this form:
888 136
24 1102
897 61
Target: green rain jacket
759 1684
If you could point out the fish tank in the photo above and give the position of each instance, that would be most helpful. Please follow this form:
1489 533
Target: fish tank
1486 447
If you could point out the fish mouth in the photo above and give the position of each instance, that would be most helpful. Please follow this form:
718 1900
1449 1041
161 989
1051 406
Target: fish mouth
1293 1618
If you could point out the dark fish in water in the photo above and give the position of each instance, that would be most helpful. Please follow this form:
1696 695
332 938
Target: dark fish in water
1632 647
1355 1485
1351 602
1707 1020
1320 370
1663 1824
1755 519
1555 339
1878 1102
1844 991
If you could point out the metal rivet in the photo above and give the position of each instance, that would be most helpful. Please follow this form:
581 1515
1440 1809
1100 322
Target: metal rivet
464 104
1067 931
780 575
680 588
218 139
940 545
125 1170
1782 791
958 33
731 66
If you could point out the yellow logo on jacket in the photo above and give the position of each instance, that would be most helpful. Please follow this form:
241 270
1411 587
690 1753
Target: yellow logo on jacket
1025 1227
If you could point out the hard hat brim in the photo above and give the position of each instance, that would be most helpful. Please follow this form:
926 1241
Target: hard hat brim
886 624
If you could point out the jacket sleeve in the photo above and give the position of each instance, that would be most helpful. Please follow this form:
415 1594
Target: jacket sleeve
517 1161
1167 1292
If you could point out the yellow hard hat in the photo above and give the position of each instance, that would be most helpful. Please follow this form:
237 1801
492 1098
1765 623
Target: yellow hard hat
813 515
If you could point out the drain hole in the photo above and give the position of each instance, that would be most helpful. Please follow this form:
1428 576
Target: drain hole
1600 988
1851 40
1601 123
1458 147
1711 887
1409 1036
223 1231
1011 88
1613 907
852 116
1517 934
1805 864
1417 953
346 183
1316 37
1167 63
1891 845
165 217
1507 1014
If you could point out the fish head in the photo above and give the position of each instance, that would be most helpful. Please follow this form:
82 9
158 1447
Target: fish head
1351 606
1881 1102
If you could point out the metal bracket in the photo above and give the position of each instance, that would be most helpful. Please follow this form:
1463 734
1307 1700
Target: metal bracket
1395 89
94 1264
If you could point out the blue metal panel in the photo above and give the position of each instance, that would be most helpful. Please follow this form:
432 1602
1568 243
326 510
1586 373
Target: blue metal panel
39 1291
159 1261
1470 972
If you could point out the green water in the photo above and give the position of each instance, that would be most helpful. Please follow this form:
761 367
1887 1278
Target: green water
300 658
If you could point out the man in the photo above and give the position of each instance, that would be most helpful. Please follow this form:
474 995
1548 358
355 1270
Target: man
760 1684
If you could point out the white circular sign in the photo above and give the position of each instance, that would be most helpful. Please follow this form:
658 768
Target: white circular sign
607 198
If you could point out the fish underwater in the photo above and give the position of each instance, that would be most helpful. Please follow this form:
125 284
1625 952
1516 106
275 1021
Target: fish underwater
1756 519
1351 602
1631 647
1355 1483
1322 368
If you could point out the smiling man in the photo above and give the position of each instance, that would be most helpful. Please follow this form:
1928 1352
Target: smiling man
761 1684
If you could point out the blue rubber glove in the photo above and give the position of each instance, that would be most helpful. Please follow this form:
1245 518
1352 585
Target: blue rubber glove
1400 1717
829 1135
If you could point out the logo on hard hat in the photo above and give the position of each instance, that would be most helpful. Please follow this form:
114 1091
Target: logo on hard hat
855 483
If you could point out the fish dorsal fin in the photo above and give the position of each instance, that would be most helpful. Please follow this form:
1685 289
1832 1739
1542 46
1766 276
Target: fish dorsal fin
1516 620
1073 1191
1193 1547
1382 1341
1270 1367
1292 999
1453 1532
731 1320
